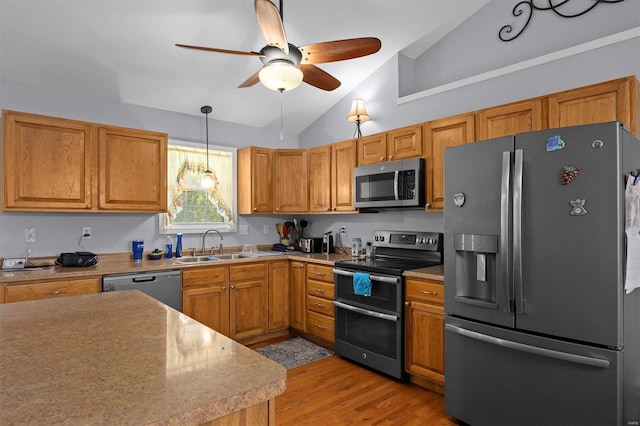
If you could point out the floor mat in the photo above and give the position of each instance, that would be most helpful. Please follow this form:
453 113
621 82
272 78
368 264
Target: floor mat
294 353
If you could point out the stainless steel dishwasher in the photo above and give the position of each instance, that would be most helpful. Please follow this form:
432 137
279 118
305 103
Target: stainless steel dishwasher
165 286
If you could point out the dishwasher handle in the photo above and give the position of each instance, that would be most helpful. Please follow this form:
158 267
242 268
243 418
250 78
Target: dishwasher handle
146 279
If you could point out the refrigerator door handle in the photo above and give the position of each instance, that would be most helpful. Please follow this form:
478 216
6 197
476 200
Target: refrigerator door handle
535 350
517 231
505 191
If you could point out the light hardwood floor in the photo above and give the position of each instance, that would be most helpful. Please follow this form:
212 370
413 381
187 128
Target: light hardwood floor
334 391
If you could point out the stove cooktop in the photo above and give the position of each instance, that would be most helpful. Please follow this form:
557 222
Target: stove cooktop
383 266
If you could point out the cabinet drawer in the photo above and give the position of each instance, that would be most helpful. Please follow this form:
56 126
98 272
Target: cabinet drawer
322 306
320 273
320 289
321 326
205 276
248 271
35 291
425 291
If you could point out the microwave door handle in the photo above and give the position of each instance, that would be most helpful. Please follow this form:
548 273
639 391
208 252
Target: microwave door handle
396 178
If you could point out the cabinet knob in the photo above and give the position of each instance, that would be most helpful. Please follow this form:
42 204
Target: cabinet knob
381 158
88 206
391 157
255 209
407 303
232 287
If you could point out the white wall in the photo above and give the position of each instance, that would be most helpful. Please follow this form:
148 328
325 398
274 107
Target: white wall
473 48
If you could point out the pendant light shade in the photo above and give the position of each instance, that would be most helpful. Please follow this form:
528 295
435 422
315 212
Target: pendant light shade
280 75
207 180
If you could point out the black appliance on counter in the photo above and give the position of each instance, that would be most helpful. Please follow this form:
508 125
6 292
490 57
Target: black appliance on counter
370 329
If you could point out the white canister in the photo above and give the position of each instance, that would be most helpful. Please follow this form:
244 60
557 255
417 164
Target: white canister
356 247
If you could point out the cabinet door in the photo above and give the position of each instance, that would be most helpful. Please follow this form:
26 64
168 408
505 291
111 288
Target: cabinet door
133 170
343 160
598 103
424 334
440 135
47 163
504 120
404 143
372 149
255 180
320 179
208 305
50 290
297 296
292 177
248 313
278 295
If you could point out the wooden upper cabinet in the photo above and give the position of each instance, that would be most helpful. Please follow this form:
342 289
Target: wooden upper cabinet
404 143
48 163
343 160
255 180
599 103
55 164
292 177
504 120
440 135
372 149
133 172
320 179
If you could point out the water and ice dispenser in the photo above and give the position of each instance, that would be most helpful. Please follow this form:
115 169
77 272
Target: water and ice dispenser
475 262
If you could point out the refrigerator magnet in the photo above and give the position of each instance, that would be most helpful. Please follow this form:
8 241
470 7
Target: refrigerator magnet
578 207
555 143
458 199
568 174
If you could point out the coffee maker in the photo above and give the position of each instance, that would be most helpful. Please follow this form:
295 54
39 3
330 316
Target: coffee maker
327 242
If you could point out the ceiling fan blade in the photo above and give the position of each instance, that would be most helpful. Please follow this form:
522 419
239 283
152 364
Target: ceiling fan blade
316 77
213 49
251 81
339 50
270 25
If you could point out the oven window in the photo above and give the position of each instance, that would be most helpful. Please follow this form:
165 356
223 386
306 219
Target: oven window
378 187
383 295
371 334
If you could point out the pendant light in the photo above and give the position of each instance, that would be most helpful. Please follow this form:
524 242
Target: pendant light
207 181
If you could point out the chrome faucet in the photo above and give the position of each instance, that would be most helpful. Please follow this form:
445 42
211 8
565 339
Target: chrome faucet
204 236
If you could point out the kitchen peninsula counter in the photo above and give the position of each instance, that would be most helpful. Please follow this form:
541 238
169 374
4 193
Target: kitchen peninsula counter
124 358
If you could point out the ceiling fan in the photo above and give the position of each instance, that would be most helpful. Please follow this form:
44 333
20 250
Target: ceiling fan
285 65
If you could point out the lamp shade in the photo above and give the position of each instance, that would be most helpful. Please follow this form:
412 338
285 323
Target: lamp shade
358 112
207 180
280 76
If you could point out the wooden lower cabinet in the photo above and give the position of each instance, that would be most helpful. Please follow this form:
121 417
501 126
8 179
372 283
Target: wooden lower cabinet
230 300
424 333
51 289
297 296
278 295
319 301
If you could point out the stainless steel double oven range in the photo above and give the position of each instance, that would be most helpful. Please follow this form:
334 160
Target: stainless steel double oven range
370 329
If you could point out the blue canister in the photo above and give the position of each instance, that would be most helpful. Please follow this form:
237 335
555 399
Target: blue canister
179 245
168 249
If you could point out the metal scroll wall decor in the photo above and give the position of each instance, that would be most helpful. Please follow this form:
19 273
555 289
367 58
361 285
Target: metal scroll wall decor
527 7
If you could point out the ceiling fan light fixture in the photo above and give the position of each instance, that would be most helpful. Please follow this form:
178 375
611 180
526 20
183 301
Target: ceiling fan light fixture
280 76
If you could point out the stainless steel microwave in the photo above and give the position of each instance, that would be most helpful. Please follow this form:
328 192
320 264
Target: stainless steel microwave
391 184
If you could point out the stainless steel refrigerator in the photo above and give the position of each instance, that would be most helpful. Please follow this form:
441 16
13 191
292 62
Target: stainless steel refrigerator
539 329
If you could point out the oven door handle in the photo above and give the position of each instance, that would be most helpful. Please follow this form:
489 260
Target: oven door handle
365 311
389 280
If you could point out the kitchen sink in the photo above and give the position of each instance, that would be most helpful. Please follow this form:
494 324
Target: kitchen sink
205 259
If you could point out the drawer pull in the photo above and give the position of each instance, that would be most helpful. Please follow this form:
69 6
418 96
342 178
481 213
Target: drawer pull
319 290
320 326
429 293
55 292
320 274
320 305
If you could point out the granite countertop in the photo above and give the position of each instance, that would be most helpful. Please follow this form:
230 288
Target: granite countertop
434 273
123 358
121 263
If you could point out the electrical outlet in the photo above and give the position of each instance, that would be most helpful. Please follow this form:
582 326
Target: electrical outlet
29 235
86 233
265 229
343 229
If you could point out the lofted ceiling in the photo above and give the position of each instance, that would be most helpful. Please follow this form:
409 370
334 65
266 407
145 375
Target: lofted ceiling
124 50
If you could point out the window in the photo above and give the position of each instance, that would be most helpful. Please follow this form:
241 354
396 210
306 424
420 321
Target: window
192 208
